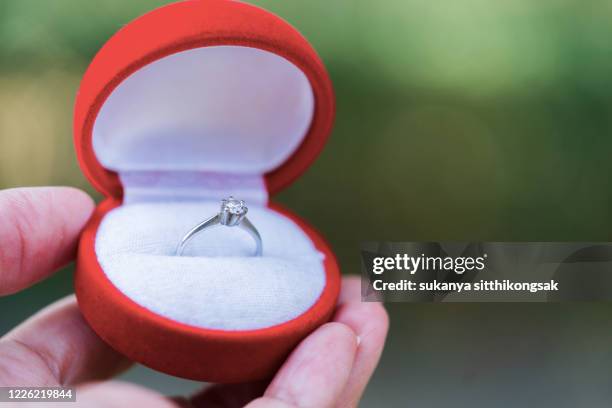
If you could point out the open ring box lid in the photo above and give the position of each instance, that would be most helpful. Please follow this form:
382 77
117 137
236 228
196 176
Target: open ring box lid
188 104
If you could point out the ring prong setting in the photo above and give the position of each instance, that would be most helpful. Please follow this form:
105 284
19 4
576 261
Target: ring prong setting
232 211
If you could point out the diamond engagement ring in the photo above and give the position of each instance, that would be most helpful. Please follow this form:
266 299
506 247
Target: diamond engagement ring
232 213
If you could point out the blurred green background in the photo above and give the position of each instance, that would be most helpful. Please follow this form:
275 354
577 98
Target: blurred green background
457 120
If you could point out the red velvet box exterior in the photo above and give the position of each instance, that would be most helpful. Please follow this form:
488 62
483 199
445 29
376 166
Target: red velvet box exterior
155 341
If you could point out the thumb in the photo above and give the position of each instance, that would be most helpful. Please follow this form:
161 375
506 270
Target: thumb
316 372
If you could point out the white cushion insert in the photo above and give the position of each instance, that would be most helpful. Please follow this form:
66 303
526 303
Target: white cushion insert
217 284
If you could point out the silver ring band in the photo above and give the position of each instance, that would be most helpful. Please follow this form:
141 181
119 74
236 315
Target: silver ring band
232 214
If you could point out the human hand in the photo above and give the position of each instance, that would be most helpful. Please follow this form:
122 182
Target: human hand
39 230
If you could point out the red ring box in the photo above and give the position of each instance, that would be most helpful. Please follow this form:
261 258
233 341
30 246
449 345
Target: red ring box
183 106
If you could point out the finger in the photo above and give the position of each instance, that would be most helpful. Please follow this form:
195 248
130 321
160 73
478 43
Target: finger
267 402
316 372
370 322
56 347
115 394
118 394
39 229
350 292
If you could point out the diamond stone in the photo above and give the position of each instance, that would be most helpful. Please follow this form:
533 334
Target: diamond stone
234 206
